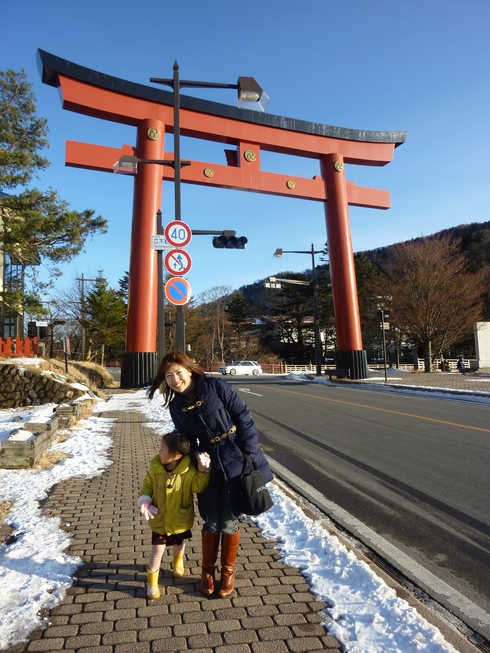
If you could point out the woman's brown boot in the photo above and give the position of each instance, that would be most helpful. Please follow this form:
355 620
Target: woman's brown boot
210 545
229 550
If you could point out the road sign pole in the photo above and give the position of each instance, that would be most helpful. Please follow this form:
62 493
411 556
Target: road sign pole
178 234
178 292
384 341
180 324
161 308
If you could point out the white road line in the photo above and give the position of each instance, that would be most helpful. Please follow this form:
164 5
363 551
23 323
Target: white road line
249 392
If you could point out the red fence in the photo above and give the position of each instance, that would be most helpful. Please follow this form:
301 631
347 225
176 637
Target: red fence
16 347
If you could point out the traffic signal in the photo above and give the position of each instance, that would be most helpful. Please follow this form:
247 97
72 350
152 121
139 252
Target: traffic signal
230 242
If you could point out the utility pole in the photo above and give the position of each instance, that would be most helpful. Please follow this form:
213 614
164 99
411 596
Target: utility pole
83 279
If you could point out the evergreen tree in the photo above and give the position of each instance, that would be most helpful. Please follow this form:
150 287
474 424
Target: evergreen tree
237 311
35 226
367 291
105 324
292 305
124 288
325 304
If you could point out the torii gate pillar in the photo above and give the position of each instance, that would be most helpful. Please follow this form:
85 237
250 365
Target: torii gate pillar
140 360
350 354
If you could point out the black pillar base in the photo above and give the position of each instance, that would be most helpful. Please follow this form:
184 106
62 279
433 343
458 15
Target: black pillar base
138 369
353 360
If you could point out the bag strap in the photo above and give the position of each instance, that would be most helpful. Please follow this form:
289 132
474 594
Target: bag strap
247 461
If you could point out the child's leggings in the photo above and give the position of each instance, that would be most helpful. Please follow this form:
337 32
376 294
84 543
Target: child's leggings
157 551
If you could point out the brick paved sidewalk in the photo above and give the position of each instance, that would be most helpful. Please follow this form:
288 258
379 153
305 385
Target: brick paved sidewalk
106 610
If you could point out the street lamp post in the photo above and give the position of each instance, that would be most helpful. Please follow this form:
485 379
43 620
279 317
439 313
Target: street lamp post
248 91
316 322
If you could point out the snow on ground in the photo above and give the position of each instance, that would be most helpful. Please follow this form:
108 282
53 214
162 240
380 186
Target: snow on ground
367 615
35 571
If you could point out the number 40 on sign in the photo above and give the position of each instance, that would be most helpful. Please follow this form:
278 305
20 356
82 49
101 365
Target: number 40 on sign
178 233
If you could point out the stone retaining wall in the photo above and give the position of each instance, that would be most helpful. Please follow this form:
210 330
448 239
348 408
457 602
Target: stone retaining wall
20 387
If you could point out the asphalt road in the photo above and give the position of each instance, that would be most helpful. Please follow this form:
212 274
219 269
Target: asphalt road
414 469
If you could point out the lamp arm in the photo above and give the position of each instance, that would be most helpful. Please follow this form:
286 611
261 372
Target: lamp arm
189 83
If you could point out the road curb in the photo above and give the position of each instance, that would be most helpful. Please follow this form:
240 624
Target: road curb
417 388
455 602
363 383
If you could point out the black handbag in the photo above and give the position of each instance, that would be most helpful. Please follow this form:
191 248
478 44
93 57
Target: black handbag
254 497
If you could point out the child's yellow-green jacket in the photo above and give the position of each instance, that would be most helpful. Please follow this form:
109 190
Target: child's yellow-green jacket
171 492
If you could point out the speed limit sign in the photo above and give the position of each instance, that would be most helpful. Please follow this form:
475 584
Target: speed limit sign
178 233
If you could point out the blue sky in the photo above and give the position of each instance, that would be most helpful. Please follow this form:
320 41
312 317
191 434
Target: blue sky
418 66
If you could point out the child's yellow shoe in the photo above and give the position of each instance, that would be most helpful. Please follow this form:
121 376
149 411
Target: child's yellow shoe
178 567
152 589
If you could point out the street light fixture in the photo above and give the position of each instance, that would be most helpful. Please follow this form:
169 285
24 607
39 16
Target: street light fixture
128 165
249 91
316 323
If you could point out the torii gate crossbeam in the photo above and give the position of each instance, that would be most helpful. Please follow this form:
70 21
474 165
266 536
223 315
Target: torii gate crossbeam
246 133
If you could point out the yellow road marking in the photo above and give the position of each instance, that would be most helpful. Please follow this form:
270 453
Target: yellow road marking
382 410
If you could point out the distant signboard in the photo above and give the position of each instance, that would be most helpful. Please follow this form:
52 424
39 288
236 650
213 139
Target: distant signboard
272 284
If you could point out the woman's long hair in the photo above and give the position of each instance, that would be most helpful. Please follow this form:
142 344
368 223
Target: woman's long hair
159 383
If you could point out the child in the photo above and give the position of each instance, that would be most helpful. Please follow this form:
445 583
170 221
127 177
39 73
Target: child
166 500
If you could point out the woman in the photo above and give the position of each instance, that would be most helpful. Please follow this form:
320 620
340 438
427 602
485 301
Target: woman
217 422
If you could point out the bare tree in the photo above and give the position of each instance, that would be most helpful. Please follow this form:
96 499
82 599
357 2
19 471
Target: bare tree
435 301
213 303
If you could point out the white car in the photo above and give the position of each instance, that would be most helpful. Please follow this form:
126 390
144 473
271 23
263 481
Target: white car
241 367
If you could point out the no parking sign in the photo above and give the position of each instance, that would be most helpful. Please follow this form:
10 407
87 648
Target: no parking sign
178 291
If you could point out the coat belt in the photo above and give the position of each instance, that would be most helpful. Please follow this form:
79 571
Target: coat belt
224 435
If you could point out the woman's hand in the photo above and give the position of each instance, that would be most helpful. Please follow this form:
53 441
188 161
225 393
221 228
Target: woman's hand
203 461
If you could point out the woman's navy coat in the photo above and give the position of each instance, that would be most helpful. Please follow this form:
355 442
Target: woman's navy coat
221 408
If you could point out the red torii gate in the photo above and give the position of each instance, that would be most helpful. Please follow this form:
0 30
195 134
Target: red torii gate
150 110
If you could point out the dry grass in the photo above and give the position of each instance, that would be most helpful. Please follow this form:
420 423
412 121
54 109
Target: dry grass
85 410
62 436
77 372
4 508
48 459
106 377
74 375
